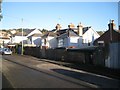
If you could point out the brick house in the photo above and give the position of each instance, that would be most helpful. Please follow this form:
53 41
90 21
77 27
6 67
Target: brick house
110 42
111 35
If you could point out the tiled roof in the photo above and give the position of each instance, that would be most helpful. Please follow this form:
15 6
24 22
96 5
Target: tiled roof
118 31
27 31
68 32
36 35
106 37
61 32
4 34
85 29
50 33
72 33
20 34
5 37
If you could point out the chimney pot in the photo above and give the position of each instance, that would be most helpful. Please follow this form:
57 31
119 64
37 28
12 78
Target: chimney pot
111 25
71 25
58 27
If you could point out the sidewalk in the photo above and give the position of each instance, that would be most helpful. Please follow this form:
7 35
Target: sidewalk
112 73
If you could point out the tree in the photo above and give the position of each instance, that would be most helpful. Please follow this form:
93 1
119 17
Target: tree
100 32
44 30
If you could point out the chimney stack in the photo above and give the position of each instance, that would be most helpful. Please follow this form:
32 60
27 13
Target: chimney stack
111 25
71 26
58 27
80 29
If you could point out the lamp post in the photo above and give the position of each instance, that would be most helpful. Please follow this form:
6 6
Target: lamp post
22 38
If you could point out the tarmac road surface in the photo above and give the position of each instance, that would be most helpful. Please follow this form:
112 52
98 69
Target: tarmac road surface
29 72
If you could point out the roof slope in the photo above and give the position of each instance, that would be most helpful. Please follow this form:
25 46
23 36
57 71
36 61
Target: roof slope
107 38
35 31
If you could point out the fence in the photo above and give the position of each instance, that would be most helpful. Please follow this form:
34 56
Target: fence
113 60
64 55
33 51
55 54
94 57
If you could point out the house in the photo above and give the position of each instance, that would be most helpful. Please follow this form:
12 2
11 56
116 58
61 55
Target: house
17 37
49 40
70 37
4 41
34 37
79 37
87 36
60 38
111 35
67 38
4 38
110 41
30 36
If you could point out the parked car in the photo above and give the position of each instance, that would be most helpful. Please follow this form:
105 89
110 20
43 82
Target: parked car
5 51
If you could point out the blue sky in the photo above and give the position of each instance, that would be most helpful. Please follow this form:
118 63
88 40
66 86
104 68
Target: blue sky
48 14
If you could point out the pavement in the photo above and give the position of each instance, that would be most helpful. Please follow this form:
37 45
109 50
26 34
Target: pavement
112 73
77 73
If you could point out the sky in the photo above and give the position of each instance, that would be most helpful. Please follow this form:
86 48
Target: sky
47 14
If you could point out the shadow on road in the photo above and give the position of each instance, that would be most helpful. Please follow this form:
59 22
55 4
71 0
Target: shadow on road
102 82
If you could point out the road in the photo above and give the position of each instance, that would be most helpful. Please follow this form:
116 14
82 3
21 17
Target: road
0 71
30 72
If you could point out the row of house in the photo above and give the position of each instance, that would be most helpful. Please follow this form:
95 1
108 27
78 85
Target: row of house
71 37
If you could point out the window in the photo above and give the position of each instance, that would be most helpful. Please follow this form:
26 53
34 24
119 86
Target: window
101 43
60 42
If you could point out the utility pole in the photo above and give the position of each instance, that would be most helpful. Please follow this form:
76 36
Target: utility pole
22 37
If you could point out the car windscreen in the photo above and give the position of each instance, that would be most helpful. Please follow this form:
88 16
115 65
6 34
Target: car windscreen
7 50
